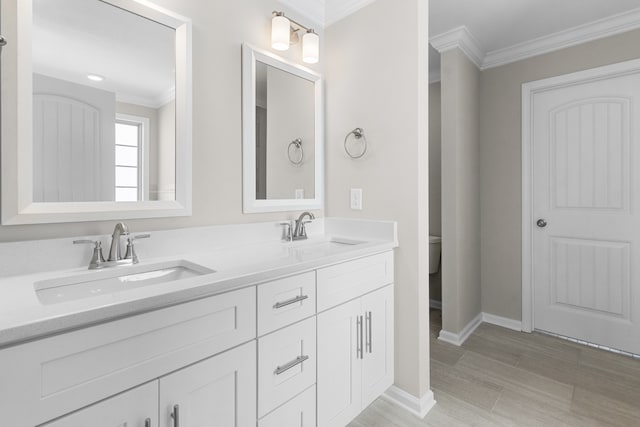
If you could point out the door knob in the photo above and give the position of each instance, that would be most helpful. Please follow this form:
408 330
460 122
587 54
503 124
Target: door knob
541 223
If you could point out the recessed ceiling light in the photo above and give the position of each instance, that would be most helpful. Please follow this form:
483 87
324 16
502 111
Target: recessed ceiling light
95 77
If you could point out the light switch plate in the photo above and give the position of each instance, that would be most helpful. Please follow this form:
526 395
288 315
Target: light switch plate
356 199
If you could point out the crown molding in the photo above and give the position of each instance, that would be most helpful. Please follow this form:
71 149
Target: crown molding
461 38
601 28
313 10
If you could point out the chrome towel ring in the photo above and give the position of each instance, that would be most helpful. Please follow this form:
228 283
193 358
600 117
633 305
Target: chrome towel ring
297 144
358 133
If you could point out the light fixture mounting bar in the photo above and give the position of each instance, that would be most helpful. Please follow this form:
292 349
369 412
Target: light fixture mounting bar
296 23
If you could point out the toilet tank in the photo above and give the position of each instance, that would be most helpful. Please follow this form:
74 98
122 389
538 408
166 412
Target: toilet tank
435 243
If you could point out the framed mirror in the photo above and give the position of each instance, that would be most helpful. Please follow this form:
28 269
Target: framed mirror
96 111
283 134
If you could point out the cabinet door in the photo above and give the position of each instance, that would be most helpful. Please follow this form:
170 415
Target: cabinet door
339 367
220 391
377 367
131 409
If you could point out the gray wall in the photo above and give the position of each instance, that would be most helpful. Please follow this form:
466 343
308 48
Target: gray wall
435 202
378 80
290 115
500 159
219 29
435 171
460 191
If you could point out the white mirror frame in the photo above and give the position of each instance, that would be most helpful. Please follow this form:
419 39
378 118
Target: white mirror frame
18 206
250 204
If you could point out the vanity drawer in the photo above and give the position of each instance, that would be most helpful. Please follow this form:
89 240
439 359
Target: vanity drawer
286 364
286 301
298 412
60 374
131 408
343 282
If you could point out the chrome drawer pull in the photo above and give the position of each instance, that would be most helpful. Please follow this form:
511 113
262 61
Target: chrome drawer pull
290 301
296 362
369 338
176 415
359 349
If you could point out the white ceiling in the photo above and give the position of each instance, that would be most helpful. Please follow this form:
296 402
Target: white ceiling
325 12
73 38
500 24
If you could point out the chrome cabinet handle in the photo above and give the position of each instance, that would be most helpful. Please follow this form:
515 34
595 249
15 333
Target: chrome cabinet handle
290 301
284 368
176 415
369 336
541 223
147 422
360 350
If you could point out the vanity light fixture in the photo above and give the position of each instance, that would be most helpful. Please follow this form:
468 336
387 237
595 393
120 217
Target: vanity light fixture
284 33
95 77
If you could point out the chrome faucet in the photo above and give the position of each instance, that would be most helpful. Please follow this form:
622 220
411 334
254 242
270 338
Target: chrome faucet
300 232
115 254
119 230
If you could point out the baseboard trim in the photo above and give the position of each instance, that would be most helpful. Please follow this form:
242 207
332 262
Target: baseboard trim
458 339
505 322
417 406
434 303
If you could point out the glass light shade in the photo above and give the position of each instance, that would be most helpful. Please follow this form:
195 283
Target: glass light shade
310 47
280 31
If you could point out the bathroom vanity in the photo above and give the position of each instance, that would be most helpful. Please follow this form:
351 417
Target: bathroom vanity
268 333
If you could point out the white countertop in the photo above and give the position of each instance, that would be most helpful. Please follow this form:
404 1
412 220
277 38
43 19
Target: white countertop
24 317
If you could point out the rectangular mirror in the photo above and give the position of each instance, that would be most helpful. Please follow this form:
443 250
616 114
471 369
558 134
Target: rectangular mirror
97 115
283 138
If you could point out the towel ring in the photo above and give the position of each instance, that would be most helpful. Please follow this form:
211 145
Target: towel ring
357 133
297 143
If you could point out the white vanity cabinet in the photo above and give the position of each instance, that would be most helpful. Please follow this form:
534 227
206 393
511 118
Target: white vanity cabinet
355 338
307 349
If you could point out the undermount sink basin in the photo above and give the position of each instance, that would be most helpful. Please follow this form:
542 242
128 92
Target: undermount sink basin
113 280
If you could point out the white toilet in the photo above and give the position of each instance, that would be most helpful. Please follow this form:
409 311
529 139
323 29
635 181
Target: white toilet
435 243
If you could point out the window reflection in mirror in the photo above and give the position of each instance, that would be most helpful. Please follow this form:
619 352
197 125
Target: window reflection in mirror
103 104
285 112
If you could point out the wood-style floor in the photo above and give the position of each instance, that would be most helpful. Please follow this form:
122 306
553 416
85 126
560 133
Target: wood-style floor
501 377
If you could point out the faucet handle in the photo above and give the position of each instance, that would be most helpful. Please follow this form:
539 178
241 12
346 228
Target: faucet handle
288 232
97 259
131 252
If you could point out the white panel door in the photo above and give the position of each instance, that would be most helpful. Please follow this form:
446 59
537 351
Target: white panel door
585 188
339 367
217 392
68 153
377 368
